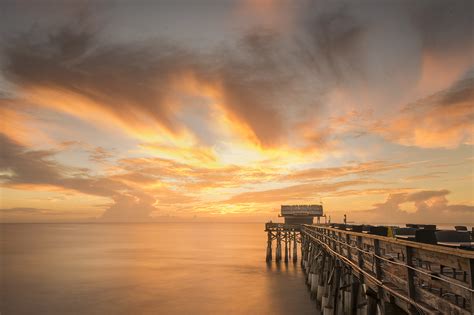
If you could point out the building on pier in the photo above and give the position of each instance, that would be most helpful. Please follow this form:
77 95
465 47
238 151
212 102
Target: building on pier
301 214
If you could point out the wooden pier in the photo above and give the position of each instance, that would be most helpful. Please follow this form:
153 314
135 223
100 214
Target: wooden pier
356 273
283 234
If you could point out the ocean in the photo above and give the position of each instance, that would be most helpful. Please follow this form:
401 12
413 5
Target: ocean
157 268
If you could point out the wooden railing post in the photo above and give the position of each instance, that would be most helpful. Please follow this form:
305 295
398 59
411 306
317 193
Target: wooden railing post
361 292
349 250
360 259
410 277
378 274
471 282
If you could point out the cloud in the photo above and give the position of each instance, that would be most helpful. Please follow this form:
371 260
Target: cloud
30 214
442 120
121 210
19 210
369 191
267 81
139 86
292 193
425 176
431 204
334 172
28 169
20 125
191 177
100 155
358 56
344 34
126 83
27 166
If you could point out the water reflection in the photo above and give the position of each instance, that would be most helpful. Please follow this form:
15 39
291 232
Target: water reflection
146 268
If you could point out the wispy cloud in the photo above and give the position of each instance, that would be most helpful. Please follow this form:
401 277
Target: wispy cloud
317 174
444 119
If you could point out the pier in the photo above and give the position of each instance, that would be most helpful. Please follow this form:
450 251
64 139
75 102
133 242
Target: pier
349 272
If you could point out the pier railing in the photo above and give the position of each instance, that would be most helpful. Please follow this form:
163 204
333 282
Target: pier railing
281 226
350 271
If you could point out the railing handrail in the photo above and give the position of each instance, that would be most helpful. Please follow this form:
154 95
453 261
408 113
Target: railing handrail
373 254
435 248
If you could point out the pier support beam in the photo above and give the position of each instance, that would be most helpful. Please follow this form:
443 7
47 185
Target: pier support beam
321 280
278 247
269 247
314 273
289 245
286 233
295 248
307 262
354 294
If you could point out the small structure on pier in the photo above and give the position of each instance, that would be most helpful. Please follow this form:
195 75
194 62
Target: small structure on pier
288 233
301 214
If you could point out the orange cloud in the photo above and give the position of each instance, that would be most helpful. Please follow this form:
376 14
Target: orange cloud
334 172
18 125
292 193
431 204
444 119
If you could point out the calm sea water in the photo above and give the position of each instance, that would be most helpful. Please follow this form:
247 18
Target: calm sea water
162 268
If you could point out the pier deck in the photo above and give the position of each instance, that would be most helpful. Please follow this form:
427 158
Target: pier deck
356 273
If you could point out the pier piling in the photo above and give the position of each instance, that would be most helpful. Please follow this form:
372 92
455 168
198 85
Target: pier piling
295 247
278 246
269 247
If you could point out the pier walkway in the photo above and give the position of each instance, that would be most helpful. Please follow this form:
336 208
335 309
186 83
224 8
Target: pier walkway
356 273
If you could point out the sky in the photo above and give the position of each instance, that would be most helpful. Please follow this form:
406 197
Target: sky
129 111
